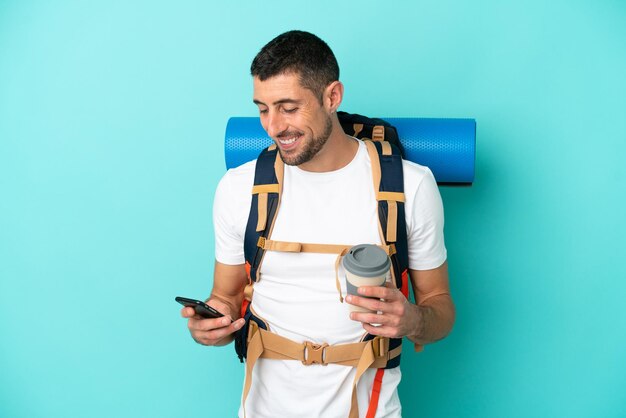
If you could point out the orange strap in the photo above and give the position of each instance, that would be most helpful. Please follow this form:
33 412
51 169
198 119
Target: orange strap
378 382
405 283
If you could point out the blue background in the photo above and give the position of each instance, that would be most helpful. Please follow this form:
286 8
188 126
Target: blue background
112 117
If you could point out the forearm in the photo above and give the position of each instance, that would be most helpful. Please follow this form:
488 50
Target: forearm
435 319
229 282
226 296
233 301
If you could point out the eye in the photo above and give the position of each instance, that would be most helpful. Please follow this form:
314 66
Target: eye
290 110
262 111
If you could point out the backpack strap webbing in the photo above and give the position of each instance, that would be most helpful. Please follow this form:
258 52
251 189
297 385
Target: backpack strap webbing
266 191
371 354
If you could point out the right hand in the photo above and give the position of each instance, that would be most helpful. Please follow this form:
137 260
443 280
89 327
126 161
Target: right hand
212 331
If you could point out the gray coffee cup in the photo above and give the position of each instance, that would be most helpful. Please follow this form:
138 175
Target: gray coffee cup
365 265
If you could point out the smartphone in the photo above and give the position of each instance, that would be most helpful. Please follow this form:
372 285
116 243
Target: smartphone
200 307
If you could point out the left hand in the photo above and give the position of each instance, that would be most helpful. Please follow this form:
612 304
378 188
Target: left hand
396 315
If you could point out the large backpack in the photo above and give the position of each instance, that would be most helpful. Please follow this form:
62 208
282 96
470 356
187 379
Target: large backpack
386 161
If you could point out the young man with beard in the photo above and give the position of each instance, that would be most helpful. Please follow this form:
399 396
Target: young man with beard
327 197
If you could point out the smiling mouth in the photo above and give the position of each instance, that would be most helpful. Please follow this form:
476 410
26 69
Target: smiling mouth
288 141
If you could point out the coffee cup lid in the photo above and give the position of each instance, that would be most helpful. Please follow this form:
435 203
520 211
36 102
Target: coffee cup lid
366 260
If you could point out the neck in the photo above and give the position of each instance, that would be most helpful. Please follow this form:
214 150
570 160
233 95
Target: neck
338 151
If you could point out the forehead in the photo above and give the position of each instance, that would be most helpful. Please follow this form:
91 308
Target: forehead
279 87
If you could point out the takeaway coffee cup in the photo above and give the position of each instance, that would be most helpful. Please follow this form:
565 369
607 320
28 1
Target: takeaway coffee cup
365 265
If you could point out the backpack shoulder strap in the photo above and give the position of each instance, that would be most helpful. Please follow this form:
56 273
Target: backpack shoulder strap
266 191
388 177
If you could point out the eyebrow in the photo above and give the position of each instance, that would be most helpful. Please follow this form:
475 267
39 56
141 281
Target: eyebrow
277 102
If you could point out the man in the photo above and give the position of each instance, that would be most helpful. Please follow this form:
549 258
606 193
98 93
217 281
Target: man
328 198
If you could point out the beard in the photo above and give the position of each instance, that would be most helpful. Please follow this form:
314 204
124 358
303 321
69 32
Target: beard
310 148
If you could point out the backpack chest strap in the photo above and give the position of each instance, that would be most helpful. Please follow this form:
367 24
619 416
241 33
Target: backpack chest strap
300 247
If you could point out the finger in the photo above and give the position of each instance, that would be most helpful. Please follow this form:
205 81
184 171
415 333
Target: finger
372 318
371 304
383 331
208 324
387 293
215 335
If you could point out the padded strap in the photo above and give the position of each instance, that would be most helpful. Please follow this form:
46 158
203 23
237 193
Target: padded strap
266 191
391 234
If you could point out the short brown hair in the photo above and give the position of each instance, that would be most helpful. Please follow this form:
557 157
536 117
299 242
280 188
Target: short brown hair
301 53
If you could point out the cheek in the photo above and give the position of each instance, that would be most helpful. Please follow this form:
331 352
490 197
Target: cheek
312 122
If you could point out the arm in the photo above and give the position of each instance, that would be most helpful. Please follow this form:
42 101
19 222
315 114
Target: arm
226 297
429 320
434 305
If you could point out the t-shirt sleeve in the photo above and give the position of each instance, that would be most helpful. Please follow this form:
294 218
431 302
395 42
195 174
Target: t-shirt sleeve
228 239
425 222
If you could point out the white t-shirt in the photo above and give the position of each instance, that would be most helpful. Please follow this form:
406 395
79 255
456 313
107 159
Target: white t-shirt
296 293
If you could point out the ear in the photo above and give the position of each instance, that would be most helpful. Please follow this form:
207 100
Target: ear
333 95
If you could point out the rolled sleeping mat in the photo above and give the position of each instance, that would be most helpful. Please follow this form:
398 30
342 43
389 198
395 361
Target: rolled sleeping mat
446 146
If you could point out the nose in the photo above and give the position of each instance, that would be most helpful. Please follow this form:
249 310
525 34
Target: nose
274 123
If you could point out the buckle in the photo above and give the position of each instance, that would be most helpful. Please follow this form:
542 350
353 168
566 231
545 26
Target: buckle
314 353
261 242
380 346
378 133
